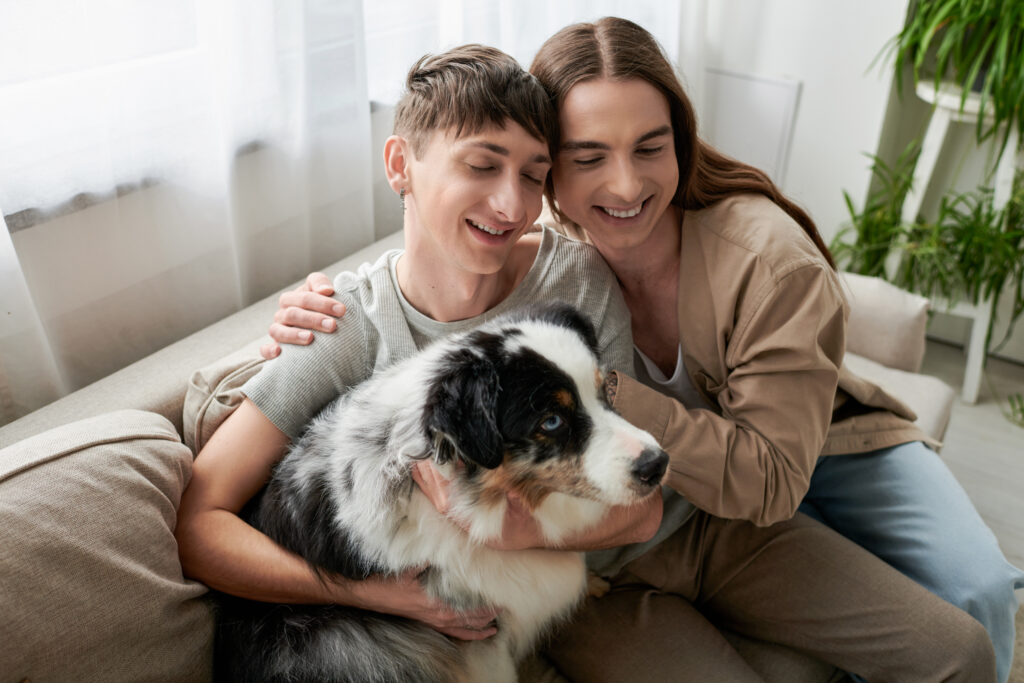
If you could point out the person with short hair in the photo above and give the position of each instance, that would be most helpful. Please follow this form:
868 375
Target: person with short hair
469 159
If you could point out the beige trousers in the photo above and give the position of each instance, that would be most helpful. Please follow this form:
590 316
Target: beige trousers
797 583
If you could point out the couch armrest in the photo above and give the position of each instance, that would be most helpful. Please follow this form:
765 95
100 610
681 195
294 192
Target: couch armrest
887 324
929 397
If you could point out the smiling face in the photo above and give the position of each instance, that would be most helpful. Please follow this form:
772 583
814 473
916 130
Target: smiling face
471 197
616 171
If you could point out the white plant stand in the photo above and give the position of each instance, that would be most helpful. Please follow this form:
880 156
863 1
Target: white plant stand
946 112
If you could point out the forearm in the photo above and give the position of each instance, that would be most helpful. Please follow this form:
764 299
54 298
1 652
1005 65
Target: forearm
225 553
218 547
221 550
723 466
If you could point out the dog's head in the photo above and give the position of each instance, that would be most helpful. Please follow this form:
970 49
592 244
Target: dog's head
521 403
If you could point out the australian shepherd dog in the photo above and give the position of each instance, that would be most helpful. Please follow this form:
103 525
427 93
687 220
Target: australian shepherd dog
517 404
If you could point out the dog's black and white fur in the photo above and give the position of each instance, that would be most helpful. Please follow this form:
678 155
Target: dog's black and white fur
520 403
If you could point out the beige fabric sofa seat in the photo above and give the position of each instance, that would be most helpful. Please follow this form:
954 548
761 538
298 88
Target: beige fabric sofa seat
885 342
90 582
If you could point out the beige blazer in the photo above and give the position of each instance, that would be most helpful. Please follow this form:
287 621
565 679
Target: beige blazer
762 323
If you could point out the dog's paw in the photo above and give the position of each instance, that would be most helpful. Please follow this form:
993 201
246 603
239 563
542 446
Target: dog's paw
597 587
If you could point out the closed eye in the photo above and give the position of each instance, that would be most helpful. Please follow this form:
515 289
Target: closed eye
481 169
649 151
589 161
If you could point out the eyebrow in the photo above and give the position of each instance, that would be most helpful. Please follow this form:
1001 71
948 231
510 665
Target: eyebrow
593 144
503 151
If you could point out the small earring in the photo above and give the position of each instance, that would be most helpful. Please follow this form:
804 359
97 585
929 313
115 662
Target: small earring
401 198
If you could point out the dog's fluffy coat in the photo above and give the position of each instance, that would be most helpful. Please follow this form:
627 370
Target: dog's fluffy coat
516 404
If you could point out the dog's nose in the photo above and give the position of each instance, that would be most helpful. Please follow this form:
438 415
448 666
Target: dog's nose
650 467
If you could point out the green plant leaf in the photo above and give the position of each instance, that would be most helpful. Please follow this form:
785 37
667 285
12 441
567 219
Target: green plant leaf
967 38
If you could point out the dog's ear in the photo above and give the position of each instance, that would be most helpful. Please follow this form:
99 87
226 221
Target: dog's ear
461 409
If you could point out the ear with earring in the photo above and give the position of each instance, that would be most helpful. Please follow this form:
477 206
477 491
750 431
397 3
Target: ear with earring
401 198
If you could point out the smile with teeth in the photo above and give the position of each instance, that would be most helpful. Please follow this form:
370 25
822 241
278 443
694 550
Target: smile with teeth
624 213
486 228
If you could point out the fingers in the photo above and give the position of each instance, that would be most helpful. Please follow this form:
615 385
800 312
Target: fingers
473 624
476 624
519 529
318 282
300 318
309 307
311 301
432 483
289 335
469 634
270 350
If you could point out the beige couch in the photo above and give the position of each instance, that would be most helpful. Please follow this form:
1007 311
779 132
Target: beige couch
90 583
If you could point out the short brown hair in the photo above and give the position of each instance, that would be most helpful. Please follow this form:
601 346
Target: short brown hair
467 89
618 49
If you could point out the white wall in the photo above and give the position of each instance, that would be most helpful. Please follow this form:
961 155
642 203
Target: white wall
827 45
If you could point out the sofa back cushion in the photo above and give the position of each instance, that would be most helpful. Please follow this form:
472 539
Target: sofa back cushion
887 324
90 582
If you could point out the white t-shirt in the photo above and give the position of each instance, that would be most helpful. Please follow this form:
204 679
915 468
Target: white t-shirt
678 386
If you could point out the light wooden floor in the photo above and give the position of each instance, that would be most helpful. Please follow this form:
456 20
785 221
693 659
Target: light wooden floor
983 449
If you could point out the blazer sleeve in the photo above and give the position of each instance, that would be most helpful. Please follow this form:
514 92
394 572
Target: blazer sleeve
754 461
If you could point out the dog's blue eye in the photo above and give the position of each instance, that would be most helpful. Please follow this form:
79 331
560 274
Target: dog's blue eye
552 423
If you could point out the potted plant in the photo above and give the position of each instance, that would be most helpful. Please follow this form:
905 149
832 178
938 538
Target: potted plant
877 229
971 251
976 45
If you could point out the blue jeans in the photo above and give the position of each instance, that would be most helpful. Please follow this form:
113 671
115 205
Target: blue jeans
905 506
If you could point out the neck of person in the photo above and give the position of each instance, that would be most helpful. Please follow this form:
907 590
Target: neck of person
444 291
646 266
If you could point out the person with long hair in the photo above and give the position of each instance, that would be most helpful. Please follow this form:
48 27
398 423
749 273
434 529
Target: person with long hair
723 284
738 321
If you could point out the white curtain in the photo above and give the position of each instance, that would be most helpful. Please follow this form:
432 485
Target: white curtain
164 163
400 31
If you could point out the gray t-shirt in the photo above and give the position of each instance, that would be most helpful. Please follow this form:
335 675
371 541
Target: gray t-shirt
380 327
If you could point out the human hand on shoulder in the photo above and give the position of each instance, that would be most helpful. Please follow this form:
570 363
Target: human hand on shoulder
301 310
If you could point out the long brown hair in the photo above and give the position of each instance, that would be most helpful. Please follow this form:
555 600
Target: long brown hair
619 49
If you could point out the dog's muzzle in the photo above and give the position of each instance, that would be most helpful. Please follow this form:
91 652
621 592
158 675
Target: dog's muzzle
649 468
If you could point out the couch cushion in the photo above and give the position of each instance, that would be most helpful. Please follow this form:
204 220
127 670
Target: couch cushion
887 324
90 582
929 397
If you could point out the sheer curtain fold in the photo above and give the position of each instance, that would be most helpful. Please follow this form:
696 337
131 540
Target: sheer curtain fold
399 31
165 162
162 164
